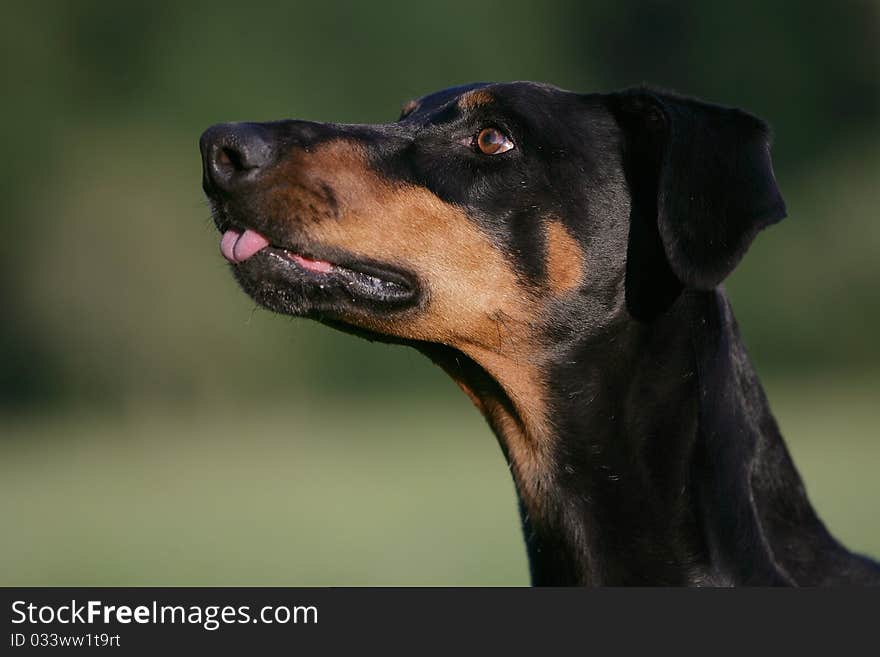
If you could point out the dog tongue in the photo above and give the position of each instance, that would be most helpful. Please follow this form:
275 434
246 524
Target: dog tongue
238 247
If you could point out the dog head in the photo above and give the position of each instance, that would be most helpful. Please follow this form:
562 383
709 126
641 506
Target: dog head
495 219
464 221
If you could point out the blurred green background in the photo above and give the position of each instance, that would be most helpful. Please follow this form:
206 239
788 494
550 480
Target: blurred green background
155 428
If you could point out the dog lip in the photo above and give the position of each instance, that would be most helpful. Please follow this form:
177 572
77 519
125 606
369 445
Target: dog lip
382 272
374 283
240 244
348 268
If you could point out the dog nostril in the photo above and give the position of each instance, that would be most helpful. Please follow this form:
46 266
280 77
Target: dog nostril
229 165
230 159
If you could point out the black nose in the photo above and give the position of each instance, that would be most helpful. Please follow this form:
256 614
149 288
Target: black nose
233 154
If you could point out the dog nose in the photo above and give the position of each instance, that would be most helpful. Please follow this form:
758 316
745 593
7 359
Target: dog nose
233 154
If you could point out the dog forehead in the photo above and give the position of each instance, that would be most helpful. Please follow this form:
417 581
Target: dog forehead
440 98
474 94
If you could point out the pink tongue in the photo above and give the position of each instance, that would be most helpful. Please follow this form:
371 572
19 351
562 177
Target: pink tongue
238 247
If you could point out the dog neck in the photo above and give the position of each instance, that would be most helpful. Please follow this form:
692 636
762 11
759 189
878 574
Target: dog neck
665 464
626 415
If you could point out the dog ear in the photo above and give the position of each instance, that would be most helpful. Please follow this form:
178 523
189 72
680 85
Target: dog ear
701 178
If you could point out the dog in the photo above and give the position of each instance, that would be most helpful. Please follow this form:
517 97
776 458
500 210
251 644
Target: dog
560 256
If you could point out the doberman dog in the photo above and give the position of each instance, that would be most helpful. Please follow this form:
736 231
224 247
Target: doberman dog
561 256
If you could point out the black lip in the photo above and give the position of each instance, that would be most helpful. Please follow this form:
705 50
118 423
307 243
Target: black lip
382 272
366 279
357 278
274 279
342 262
378 284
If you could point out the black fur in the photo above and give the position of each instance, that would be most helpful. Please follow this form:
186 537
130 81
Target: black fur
668 466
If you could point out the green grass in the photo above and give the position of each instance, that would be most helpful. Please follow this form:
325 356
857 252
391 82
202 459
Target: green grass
396 492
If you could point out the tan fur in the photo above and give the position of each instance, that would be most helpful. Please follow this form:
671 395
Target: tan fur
526 441
474 300
565 259
409 107
473 99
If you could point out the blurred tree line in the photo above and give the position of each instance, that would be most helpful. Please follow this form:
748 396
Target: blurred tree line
111 285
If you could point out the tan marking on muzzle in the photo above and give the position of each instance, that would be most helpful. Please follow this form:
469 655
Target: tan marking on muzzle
473 295
565 259
473 299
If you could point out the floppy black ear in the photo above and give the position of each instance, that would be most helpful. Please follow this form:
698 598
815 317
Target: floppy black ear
706 170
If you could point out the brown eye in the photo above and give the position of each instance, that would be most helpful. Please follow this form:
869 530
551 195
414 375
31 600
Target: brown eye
492 141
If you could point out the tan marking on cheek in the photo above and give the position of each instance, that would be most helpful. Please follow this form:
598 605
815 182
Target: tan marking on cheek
565 259
474 300
473 294
474 99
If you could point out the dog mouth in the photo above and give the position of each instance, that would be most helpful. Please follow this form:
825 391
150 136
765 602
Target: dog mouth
268 270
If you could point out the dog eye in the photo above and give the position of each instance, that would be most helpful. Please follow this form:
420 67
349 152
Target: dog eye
492 141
